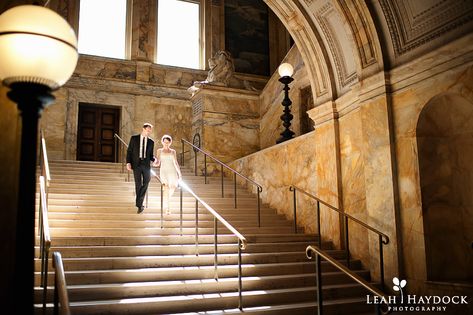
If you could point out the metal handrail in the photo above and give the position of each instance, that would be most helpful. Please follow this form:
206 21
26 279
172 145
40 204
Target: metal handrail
310 250
61 298
382 238
43 222
44 163
259 188
123 158
242 241
44 237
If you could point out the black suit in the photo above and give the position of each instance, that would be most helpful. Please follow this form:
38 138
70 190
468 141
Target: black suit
141 167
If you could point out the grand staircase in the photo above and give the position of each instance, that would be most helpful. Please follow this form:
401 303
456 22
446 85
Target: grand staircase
119 262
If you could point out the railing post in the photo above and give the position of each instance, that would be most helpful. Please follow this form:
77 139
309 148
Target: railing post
180 208
221 171
56 296
146 199
45 279
205 169
196 227
381 261
182 152
240 285
195 162
318 224
235 189
162 224
180 217
215 250
318 268
258 189
347 242
294 206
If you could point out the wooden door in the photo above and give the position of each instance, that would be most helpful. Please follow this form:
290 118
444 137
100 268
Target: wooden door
97 125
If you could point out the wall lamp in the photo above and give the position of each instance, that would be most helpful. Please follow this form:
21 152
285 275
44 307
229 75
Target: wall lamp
38 54
285 71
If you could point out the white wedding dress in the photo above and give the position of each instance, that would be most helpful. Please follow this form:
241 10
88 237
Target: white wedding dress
169 177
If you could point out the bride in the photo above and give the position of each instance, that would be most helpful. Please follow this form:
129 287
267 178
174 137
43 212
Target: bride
169 172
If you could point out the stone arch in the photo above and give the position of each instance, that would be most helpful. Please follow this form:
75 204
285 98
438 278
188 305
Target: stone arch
445 151
337 40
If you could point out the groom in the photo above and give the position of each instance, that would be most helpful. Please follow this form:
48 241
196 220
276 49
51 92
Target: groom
138 158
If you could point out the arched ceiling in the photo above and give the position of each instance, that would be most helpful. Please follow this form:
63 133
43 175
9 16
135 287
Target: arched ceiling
344 41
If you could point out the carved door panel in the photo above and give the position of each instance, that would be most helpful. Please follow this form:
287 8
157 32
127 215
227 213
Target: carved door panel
97 125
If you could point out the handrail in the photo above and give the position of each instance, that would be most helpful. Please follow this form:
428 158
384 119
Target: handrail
242 241
382 238
320 253
123 158
44 237
61 298
44 160
259 188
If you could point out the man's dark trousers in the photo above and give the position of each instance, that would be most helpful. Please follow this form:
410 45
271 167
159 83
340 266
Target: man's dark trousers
142 178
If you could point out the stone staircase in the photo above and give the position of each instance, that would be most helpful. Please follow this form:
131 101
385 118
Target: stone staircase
120 262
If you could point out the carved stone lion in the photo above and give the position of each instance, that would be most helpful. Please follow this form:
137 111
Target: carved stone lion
221 73
221 68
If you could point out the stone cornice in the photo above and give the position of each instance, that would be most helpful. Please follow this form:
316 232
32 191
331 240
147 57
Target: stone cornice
118 86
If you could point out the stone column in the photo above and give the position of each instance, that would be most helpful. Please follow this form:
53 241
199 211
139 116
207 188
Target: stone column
380 174
328 174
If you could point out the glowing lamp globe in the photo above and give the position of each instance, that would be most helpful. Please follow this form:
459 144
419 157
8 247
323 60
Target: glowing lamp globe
285 70
36 46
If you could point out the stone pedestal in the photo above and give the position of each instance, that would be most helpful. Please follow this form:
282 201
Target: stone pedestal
227 121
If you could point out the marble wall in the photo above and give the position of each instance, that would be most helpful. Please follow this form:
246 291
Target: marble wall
415 86
277 168
227 121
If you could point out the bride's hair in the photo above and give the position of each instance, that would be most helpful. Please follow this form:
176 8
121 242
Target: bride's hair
168 137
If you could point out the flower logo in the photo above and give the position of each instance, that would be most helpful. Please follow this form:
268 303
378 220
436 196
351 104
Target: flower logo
398 285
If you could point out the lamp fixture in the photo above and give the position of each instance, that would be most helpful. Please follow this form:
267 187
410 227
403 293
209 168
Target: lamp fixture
38 54
286 70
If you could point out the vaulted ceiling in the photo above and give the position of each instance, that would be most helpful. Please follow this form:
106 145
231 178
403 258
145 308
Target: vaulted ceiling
344 41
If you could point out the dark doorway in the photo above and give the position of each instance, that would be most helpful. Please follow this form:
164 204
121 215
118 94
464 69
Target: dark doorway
97 125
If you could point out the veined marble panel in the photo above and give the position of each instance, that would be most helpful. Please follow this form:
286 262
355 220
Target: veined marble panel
276 168
353 182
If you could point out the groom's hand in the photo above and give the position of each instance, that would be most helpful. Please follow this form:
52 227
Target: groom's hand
128 166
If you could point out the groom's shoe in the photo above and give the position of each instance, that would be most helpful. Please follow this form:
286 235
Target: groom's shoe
140 209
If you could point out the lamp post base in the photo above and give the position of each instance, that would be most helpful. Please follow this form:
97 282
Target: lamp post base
31 98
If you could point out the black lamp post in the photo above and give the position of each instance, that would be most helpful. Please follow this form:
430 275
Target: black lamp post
38 54
285 71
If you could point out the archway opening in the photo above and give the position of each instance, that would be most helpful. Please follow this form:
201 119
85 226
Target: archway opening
445 145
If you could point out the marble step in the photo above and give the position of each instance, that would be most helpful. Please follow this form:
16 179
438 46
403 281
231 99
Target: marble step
154 206
131 262
106 291
204 215
189 273
123 240
219 301
177 249
168 222
116 231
